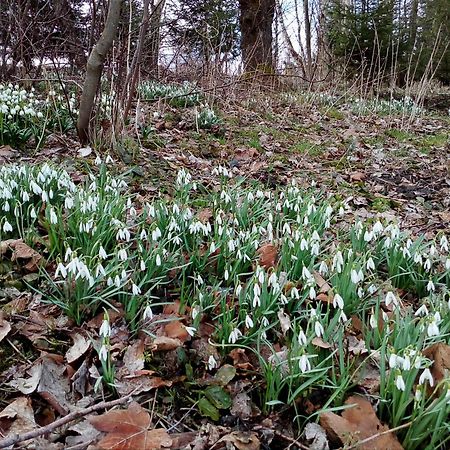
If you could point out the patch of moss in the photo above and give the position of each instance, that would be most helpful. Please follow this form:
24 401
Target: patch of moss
399 135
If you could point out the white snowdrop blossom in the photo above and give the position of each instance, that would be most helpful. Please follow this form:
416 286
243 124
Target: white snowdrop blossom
338 301
158 260
105 329
391 298
234 336
102 253
426 376
304 364
318 329
212 363
400 382
301 338
370 265
136 290
103 353
248 322
190 330
148 313
422 311
433 325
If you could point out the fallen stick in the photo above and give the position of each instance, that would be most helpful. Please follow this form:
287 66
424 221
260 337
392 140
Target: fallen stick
11 440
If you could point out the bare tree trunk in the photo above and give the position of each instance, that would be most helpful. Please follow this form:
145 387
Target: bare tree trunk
155 38
307 20
131 80
94 69
256 29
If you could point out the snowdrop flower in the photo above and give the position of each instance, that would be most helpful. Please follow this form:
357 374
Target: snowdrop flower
103 353
400 383
53 216
343 317
234 336
304 364
312 293
190 330
370 265
426 376
136 290
430 286
368 236
105 329
323 268
378 227
444 243
354 276
301 338
61 269
212 363
7 227
338 301
338 262
306 274
98 160
148 313
158 260
447 264
373 321
391 298
427 264
294 293
422 311
393 361
248 322
318 329
122 254
102 253
433 328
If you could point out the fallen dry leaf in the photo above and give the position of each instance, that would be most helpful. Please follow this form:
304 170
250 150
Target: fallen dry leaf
357 176
80 346
164 343
5 327
129 429
267 256
357 423
242 440
22 251
324 287
17 417
285 321
176 330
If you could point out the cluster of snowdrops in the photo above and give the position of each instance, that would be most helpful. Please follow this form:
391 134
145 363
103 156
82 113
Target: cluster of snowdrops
325 269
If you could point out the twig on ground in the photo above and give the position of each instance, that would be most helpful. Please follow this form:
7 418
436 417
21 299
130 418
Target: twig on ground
11 440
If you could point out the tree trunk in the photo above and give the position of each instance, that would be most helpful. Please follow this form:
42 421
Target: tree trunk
256 34
94 69
131 80
307 20
155 38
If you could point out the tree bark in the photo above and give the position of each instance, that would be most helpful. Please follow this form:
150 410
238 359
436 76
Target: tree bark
94 69
256 20
307 20
154 40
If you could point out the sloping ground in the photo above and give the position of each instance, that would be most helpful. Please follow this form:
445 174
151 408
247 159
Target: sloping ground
381 167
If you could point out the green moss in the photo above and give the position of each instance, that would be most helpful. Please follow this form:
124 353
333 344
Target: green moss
399 135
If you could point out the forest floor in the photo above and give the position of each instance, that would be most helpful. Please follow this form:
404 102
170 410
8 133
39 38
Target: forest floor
390 168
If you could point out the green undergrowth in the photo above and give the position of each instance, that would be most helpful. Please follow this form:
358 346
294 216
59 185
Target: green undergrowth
283 274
